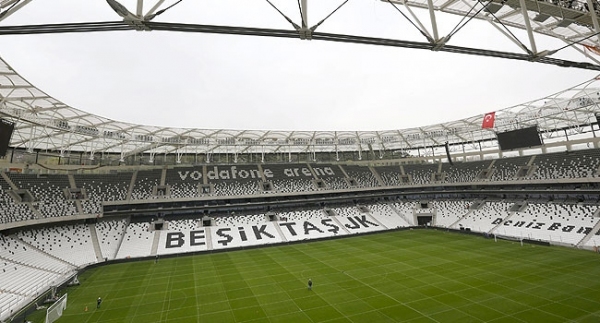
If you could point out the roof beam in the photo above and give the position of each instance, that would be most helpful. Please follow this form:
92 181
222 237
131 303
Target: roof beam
7 13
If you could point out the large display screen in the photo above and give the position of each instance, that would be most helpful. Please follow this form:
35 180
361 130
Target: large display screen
6 130
521 138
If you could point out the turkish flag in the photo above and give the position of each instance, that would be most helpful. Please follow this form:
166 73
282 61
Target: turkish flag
488 120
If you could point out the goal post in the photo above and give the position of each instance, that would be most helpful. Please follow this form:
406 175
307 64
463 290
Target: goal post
55 310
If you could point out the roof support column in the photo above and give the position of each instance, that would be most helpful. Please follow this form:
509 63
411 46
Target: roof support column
528 25
433 21
304 6
30 142
140 8
592 12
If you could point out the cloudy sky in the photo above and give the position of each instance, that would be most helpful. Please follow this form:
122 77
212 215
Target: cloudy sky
244 82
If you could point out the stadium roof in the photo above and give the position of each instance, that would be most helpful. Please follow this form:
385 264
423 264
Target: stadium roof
570 22
46 123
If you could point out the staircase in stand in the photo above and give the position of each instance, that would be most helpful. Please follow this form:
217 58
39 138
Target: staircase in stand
95 242
155 242
588 236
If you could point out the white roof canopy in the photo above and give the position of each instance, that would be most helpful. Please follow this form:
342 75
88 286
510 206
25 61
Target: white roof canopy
43 122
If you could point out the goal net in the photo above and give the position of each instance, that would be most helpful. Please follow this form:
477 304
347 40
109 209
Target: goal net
55 310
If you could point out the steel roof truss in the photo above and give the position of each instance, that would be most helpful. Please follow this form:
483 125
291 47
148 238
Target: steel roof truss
18 5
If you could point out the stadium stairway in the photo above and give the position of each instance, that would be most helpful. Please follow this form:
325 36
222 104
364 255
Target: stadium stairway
510 214
72 184
343 171
79 207
278 228
131 185
312 171
95 242
7 180
453 225
409 221
491 169
36 213
209 245
337 222
163 177
588 236
260 171
377 176
155 243
121 237
374 219
71 179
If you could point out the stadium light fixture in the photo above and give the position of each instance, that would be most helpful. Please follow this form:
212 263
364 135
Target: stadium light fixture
541 17
564 23
493 7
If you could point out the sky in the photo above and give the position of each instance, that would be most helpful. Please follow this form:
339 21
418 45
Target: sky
212 81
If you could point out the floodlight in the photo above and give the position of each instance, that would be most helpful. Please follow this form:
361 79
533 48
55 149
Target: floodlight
564 23
541 17
493 7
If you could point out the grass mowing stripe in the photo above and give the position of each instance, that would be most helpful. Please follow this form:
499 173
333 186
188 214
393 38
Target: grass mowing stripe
412 276
361 279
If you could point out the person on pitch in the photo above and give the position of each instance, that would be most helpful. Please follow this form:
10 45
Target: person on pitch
309 284
98 302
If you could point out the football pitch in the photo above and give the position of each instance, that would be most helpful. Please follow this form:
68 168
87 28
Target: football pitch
401 276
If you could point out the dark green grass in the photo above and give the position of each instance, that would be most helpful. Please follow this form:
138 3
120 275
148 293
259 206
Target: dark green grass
404 276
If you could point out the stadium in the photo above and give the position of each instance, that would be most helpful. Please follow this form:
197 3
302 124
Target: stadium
490 217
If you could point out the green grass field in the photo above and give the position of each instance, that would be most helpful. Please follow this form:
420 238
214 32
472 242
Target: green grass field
403 276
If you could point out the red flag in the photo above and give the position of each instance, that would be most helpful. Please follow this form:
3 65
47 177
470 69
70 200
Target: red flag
488 120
